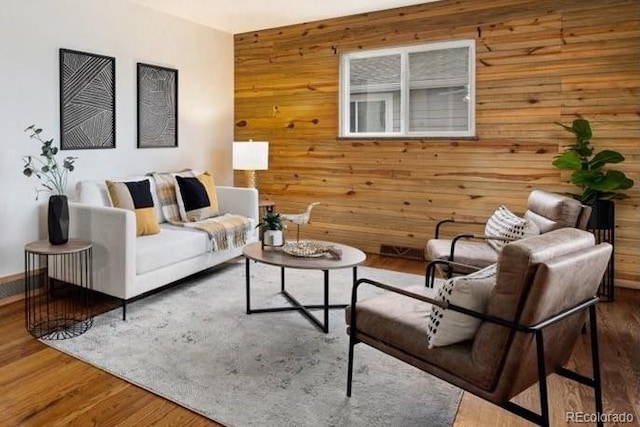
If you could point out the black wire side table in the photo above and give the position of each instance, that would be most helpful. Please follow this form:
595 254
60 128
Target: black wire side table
58 289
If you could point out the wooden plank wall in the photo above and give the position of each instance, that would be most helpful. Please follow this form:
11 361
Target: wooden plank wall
538 62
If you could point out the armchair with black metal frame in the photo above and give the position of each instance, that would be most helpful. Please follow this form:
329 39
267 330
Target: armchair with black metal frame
548 211
544 287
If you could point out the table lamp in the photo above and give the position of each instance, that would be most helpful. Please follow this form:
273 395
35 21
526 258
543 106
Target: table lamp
251 156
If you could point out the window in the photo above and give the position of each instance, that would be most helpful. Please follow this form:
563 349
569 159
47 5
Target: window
371 112
425 90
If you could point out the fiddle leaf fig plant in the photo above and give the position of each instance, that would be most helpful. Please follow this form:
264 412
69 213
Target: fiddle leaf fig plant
596 183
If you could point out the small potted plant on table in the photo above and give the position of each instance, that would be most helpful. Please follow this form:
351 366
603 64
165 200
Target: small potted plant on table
272 229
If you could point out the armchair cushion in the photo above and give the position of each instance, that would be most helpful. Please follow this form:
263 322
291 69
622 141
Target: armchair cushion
397 325
447 327
476 253
503 223
386 314
551 211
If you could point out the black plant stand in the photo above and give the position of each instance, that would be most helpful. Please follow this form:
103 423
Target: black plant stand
602 224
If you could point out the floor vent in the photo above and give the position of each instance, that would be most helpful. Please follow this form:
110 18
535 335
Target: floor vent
402 252
12 288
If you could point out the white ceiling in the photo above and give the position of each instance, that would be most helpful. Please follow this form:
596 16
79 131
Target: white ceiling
240 16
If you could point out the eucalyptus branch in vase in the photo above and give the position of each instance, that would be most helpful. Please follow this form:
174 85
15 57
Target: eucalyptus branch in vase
53 176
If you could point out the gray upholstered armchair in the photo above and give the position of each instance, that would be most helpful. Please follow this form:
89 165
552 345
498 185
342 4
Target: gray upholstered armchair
548 211
544 287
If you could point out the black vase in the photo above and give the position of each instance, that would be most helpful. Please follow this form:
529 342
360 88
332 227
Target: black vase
58 219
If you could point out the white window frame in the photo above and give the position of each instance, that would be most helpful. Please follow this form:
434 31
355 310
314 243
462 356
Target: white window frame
387 98
345 95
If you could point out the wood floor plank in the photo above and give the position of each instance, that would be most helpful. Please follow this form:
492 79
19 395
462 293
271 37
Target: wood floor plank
39 385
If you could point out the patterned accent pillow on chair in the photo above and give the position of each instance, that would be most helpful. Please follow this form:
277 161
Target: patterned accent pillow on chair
472 291
505 224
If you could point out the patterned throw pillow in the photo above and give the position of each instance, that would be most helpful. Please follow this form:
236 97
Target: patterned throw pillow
166 189
503 223
135 196
196 197
472 291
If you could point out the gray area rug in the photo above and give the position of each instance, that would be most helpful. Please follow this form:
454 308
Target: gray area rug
194 345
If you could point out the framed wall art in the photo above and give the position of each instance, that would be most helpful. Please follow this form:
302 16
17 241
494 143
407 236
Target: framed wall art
87 100
157 106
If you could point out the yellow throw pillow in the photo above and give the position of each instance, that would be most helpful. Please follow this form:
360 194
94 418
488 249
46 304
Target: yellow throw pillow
210 187
135 196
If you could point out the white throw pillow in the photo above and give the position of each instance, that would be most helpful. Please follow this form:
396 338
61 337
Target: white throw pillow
472 291
503 223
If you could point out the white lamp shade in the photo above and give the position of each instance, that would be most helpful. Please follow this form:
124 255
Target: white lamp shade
251 155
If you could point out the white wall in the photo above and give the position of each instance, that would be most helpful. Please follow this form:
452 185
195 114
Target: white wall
32 31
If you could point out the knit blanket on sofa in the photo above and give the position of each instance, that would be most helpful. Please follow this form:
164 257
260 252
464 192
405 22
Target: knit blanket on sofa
225 231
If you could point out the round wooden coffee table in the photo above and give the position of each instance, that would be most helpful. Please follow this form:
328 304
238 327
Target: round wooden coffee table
350 258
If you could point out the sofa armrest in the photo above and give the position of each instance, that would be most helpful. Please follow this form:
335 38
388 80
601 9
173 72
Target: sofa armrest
238 200
113 233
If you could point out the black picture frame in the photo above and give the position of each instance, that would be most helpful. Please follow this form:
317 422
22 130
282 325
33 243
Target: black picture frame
87 100
157 106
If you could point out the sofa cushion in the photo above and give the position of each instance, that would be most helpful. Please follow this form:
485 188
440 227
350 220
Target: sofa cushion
504 224
135 196
173 244
94 193
196 197
446 327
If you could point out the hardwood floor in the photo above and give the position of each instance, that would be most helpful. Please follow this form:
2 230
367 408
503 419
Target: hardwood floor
41 386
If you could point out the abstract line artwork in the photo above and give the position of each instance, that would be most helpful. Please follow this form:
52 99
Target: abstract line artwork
157 106
87 100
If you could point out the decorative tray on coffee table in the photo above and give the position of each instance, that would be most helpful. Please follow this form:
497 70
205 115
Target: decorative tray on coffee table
310 249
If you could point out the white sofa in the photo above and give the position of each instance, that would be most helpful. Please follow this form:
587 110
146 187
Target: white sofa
126 266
